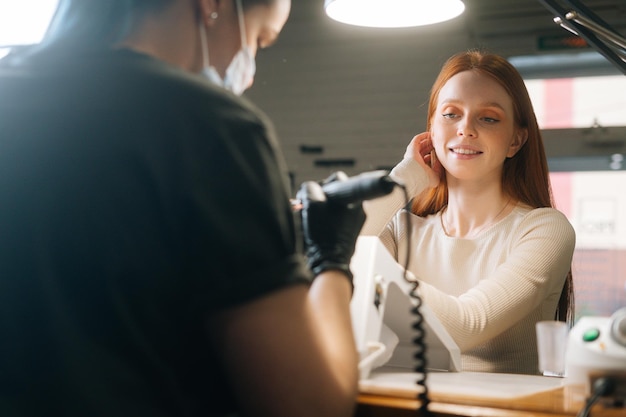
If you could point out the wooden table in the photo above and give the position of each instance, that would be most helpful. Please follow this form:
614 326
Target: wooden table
562 401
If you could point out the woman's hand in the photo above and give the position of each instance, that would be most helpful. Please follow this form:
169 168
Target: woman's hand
422 151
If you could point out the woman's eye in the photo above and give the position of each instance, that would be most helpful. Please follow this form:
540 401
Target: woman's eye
490 120
448 115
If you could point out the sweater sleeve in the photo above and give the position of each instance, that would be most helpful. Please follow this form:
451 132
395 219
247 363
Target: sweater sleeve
539 258
381 210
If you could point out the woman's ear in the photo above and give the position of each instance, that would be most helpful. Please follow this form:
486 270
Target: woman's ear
519 139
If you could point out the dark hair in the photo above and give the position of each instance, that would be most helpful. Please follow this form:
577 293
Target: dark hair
530 186
104 22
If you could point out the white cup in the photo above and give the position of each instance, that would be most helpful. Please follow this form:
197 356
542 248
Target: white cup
551 347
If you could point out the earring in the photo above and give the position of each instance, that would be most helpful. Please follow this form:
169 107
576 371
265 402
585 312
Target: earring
214 15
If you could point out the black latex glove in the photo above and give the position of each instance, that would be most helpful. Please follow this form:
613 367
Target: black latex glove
330 230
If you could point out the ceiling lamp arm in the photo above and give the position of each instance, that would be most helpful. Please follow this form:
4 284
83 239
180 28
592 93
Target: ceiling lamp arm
586 24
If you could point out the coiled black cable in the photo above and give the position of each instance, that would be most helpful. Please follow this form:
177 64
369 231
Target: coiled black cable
418 324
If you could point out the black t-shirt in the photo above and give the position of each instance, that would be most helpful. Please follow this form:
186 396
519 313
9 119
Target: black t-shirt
135 200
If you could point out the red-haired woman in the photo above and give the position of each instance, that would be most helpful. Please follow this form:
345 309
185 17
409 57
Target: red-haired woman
492 255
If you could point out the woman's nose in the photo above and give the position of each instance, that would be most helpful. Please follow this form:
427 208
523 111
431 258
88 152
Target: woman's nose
466 129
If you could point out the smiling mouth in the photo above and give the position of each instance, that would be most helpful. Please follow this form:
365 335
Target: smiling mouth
465 151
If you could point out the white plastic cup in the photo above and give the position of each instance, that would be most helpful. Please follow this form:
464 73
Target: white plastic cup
551 347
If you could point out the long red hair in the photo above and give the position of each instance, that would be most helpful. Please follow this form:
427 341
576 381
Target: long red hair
525 176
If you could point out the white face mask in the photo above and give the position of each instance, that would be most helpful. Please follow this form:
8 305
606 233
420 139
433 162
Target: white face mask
240 71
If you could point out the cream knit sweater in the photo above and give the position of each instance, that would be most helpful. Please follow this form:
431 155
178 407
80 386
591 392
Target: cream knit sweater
489 291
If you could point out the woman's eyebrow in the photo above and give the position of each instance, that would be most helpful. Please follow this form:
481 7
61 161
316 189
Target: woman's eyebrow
482 104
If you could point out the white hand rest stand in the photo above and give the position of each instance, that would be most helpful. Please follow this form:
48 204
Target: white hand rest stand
381 315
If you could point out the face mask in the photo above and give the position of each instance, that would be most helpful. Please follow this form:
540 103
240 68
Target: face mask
240 71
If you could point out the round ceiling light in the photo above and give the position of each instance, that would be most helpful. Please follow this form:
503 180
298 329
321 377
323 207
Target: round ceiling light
393 13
